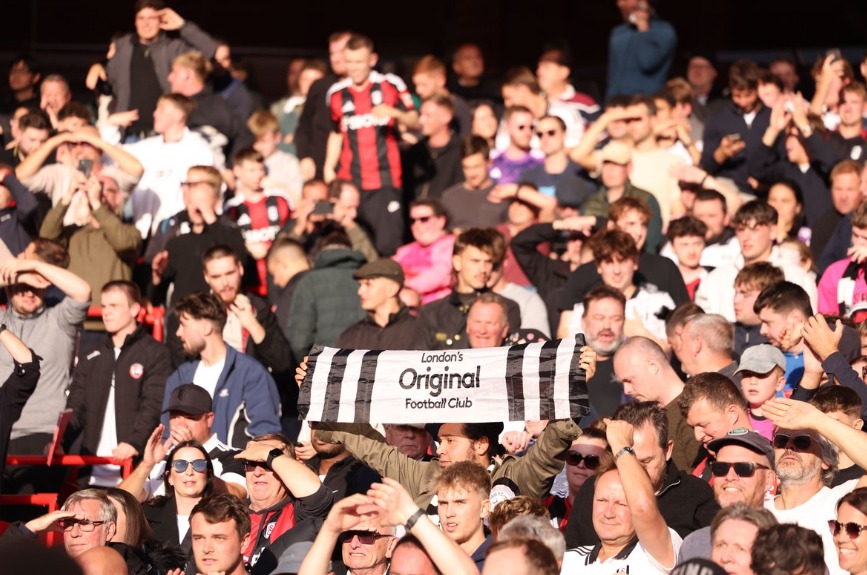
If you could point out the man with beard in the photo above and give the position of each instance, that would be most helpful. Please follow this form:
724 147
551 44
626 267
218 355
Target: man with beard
341 473
603 319
245 396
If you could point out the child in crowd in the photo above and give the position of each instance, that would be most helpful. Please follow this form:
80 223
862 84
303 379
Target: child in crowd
283 172
763 376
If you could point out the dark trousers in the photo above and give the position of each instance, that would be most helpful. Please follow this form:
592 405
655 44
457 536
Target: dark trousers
382 214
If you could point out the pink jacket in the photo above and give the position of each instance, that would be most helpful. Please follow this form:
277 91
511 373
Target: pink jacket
428 269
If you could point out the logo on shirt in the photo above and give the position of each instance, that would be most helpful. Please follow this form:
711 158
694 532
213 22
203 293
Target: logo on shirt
244 220
136 370
224 392
269 529
348 107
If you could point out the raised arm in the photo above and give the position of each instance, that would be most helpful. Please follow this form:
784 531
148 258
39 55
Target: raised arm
124 160
347 514
650 527
299 479
35 160
69 283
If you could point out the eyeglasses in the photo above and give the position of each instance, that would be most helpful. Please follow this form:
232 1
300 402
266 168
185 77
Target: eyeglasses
250 466
853 530
549 133
84 525
799 442
422 219
364 537
742 468
199 465
590 461
193 183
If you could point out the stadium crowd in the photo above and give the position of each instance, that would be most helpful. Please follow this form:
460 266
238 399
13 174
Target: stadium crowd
706 234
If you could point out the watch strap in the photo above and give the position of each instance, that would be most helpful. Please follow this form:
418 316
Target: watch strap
413 519
623 452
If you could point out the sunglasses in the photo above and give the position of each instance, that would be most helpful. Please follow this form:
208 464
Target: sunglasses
180 465
549 133
742 468
423 219
190 184
523 127
590 461
84 525
250 466
364 537
798 442
853 530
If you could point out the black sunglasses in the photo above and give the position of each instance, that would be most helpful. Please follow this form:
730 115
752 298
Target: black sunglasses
853 530
423 219
199 465
252 465
364 537
799 442
742 468
590 461
549 133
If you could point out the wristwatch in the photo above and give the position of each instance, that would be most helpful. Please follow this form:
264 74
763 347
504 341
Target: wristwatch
273 454
413 519
623 452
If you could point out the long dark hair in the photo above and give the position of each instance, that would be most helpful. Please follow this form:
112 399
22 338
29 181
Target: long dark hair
170 457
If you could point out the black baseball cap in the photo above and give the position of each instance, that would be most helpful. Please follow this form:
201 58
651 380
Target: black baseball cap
190 399
745 438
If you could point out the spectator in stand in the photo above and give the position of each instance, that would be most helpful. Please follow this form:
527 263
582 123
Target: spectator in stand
246 403
315 124
325 301
783 309
486 122
830 235
843 284
176 251
553 73
763 376
808 158
534 316
734 132
686 236
24 76
463 504
17 209
847 530
429 78
707 346
87 223
288 110
369 130
227 82
749 283
671 129
721 246
469 80
843 404
139 68
433 164
427 260
287 263
582 462
848 141
514 153
701 73
16 390
34 128
831 73
258 212
212 117
442 323
220 530
521 556
770 88
755 224
786 197
282 170
166 158
117 390
388 323
469 203
54 93
520 215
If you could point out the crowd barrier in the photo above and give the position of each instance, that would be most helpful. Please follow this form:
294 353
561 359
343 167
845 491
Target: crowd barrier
155 318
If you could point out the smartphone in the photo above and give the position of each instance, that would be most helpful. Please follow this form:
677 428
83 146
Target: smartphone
735 137
323 208
85 167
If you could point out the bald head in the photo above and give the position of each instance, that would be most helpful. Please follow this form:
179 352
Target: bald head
643 368
102 561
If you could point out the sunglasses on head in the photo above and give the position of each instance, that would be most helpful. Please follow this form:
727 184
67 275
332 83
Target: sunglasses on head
742 468
250 466
853 530
797 443
423 219
590 461
549 133
364 537
199 465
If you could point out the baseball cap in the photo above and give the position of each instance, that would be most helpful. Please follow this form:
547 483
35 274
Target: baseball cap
745 438
190 399
382 268
617 153
761 359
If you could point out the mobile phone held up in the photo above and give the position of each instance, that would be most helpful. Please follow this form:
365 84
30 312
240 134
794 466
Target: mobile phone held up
85 167
734 138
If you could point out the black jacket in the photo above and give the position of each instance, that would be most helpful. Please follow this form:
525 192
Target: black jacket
346 477
13 395
442 324
428 172
729 120
315 124
685 502
367 334
14 220
162 515
139 374
212 110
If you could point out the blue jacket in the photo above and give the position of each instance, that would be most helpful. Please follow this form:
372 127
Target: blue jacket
245 389
638 62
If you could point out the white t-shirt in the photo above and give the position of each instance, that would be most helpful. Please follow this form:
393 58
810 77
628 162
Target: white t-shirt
183 527
107 475
637 562
815 514
207 375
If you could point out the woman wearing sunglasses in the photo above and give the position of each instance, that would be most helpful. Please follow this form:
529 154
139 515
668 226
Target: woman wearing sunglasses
582 462
850 531
189 477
